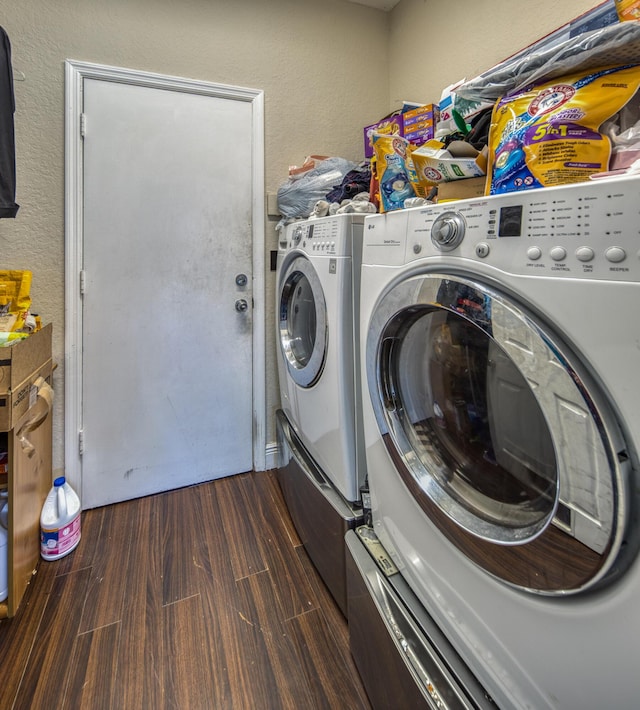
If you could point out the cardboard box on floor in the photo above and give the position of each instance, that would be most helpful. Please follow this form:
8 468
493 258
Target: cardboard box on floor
20 366
30 467
25 414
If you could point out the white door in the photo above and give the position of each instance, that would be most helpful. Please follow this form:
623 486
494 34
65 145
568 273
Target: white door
166 393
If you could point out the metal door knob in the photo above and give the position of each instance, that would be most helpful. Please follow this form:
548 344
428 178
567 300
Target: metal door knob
241 279
241 305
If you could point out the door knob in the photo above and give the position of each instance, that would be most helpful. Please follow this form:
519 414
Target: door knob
241 305
241 279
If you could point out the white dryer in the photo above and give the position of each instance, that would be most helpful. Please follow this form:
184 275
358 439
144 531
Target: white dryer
320 425
500 356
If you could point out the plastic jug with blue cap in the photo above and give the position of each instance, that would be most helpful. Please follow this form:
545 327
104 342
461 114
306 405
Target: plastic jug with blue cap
60 521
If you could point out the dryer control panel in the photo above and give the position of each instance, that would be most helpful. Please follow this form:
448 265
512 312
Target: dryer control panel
588 230
326 236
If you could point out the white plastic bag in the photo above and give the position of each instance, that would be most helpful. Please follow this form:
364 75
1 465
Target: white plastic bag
298 195
606 46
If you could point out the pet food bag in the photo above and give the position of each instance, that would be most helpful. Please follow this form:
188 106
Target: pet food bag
552 133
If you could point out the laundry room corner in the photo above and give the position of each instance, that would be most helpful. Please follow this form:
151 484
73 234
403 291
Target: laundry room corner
319 343
286 50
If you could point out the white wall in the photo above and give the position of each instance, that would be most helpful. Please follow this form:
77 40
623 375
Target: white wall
322 66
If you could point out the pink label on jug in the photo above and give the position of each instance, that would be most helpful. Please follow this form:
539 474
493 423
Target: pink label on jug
58 541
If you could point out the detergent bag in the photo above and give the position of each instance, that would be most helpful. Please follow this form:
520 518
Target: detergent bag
394 171
559 131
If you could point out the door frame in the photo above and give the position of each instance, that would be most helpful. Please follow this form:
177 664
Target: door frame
75 73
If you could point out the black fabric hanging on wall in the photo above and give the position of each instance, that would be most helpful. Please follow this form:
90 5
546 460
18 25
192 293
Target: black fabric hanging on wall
8 206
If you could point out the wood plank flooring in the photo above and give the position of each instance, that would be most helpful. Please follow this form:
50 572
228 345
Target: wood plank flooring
200 598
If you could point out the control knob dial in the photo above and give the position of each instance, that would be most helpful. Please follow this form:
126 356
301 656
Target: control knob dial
297 235
448 231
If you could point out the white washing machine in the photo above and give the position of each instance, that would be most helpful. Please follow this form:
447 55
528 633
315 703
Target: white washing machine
500 358
320 425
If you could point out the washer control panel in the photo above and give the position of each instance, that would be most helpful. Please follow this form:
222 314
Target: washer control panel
587 230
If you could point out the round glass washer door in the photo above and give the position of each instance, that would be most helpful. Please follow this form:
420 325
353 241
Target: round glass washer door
302 322
495 434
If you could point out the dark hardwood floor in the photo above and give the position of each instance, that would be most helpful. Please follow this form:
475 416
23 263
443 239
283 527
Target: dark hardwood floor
198 598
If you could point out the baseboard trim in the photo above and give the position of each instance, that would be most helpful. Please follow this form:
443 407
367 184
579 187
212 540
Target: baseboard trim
271 456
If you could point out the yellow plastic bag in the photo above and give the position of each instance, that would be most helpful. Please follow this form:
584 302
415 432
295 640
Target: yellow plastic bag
393 172
550 134
15 300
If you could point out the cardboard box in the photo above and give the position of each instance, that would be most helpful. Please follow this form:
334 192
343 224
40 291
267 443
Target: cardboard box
461 189
435 165
427 114
391 124
417 125
20 366
4 459
628 10
421 136
29 481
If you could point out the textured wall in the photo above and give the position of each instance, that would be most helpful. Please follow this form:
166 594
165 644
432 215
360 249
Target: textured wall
322 66
327 69
434 44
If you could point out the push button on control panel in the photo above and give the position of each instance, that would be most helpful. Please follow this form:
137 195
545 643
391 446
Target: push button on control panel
534 253
482 250
558 253
585 254
615 254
